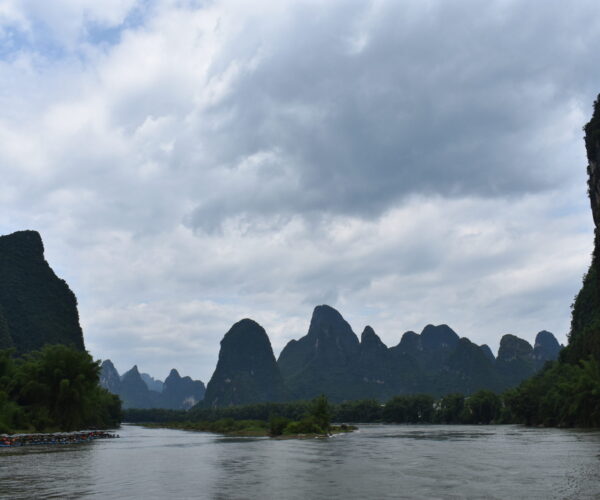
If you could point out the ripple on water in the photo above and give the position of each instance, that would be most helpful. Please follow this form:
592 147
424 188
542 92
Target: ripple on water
380 461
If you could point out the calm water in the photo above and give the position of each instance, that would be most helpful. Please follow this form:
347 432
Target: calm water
377 462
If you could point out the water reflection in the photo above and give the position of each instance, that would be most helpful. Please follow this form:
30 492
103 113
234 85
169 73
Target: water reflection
376 462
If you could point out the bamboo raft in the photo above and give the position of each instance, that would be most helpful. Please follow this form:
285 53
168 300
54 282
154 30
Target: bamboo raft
12 440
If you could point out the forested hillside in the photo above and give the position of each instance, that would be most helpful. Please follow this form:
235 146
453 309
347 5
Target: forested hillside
567 392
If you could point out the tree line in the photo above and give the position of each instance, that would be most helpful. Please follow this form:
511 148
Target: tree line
483 407
54 389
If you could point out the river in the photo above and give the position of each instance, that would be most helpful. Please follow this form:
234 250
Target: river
378 461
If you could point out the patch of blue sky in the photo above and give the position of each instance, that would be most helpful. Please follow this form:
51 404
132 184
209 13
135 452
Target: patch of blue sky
12 41
39 40
99 34
42 41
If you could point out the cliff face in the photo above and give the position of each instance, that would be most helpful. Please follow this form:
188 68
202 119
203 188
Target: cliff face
134 392
323 361
515 360
5 338
152 383
431 348
375 366
592 146
584 337
329 360
246 371
109 377
36 307
546 348
181 392
178 393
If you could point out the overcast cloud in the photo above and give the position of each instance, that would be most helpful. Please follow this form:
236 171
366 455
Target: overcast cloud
191 163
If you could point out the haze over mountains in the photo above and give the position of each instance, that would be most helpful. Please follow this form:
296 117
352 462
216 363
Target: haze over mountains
139 390
37 308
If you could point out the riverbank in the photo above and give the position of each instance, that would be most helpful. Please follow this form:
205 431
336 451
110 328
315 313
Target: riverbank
53 438
245 428
381 461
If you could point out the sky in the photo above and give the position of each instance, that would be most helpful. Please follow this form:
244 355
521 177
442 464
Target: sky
191 163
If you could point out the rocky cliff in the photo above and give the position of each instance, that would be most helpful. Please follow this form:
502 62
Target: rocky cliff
324 360
584 337
109 377
134 392
36 307
181 392
246 371
546 348
178 393
330 360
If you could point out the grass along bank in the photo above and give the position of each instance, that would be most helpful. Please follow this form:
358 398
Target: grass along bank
316 422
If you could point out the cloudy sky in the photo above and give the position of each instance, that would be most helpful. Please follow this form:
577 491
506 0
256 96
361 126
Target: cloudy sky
190 163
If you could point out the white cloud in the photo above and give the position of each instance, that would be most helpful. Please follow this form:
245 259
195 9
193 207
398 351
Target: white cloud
407 162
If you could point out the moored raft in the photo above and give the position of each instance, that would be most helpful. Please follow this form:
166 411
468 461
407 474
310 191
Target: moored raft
48 438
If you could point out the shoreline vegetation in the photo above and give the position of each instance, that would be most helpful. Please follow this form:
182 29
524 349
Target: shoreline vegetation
54 389
315 421
246 428
482 407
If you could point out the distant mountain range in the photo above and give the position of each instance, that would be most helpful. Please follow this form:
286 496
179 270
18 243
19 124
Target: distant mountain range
331 360
37 308
138 390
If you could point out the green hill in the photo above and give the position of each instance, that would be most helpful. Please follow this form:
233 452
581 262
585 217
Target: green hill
567 393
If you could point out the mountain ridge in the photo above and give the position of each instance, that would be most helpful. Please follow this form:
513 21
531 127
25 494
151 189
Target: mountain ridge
330 359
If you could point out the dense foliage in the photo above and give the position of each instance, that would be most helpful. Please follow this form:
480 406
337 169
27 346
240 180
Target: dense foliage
483 407
567 393
315 418
55 388
563 395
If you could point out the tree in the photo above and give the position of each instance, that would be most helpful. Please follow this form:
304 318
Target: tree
483 407
320 411
451 408
54 388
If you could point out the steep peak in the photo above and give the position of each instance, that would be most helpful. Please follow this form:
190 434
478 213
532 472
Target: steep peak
29 240
245 323
108 364
326 313
438 336
133 372
547 339
592 145
246 370
487 352
173 378
369 338
410 341
327 323
109 376
546 346
37 306
513 347
246 333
